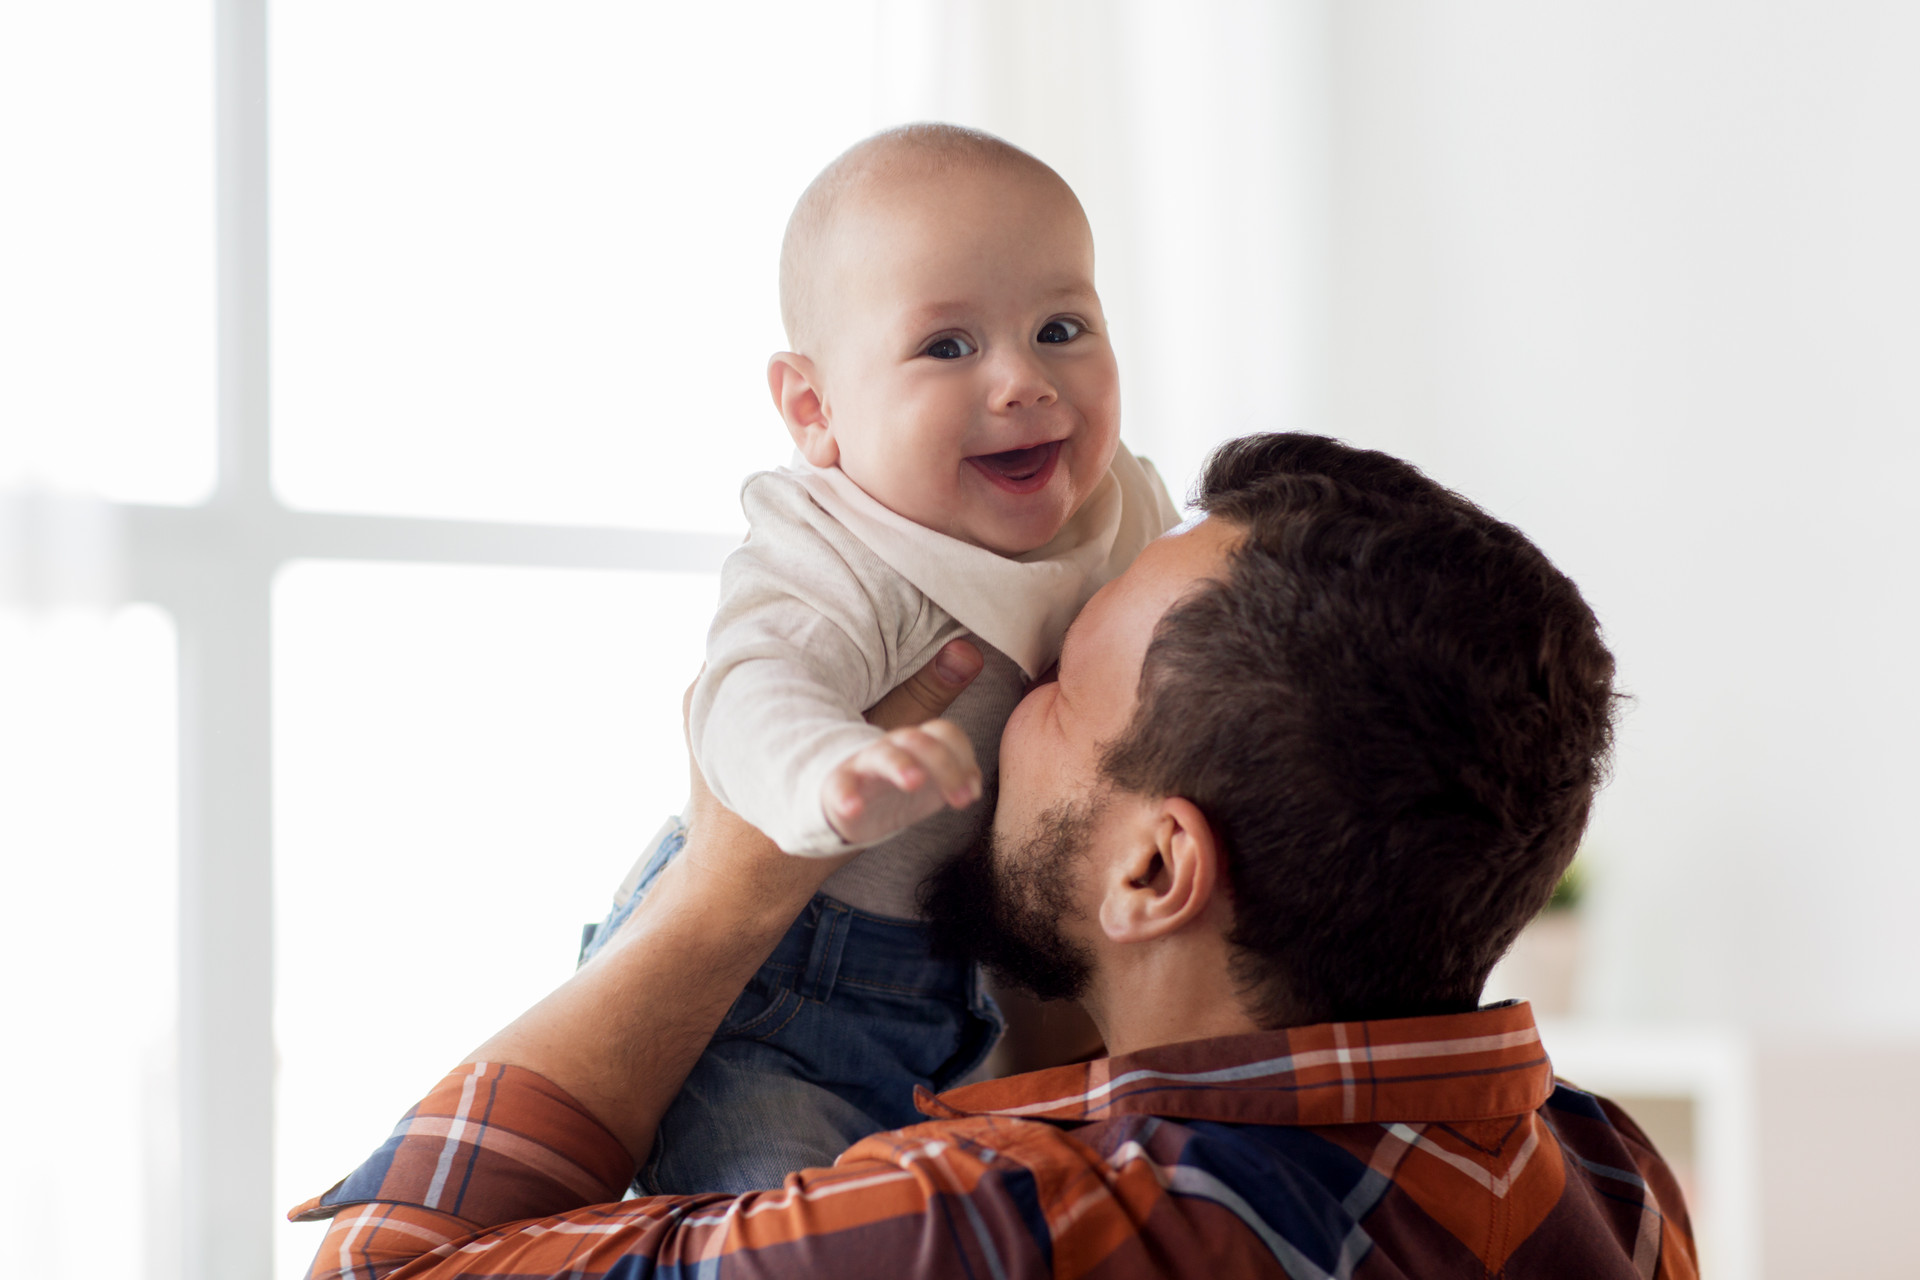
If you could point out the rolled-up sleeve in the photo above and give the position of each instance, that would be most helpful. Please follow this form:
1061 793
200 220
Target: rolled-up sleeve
499 1173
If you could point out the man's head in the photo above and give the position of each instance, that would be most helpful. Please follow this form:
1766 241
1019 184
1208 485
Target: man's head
1366 728
949 350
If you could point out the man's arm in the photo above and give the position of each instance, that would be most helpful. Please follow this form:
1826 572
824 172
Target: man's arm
621 1035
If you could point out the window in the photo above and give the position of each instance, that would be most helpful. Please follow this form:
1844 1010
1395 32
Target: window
488 747
524 268
106 127
88 817
422 519
376 381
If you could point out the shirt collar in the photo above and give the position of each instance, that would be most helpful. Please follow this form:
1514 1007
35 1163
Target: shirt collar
1448 1068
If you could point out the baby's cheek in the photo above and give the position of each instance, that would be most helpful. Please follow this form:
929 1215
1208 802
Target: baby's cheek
1100 435
1093 464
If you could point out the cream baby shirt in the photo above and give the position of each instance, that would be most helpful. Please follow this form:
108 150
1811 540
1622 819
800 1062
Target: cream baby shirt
833 600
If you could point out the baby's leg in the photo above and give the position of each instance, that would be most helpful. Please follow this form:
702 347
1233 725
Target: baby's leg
743 1125
824 1047
666 842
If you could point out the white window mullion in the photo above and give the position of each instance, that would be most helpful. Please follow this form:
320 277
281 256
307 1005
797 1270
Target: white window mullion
314 535
240 177
226 945
226 901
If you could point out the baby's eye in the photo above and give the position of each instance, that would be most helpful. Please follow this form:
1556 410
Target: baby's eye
949 348
1061 330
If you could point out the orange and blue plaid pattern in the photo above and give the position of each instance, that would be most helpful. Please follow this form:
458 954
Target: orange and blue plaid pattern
1423 1146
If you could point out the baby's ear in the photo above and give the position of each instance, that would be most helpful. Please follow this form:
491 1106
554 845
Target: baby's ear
796 393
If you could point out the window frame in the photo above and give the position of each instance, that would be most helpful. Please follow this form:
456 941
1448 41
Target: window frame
212 567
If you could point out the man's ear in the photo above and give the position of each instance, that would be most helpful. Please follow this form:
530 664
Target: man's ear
795 384
1167 879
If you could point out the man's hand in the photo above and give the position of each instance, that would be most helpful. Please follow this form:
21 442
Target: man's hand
893 783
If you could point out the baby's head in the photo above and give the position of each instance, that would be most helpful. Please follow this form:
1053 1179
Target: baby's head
949 351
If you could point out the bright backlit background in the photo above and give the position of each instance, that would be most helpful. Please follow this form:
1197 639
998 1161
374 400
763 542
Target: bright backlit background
1639 277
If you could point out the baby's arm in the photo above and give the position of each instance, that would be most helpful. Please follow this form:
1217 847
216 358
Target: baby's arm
812 629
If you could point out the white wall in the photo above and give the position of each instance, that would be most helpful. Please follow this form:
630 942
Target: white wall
1641 277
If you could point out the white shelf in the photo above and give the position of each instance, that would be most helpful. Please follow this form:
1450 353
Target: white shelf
1701 1077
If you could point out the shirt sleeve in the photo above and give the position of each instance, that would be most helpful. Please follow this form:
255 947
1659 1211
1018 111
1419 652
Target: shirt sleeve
499 1173
812 629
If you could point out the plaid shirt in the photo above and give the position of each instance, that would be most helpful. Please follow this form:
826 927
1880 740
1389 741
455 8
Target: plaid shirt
1419 1147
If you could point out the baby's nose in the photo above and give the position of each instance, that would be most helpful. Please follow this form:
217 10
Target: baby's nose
1025 385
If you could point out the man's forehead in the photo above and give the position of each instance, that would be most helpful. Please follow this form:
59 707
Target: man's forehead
1107 643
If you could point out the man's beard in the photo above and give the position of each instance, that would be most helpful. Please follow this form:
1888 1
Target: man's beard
1003 907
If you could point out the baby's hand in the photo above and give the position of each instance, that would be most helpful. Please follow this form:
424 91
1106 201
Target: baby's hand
908 775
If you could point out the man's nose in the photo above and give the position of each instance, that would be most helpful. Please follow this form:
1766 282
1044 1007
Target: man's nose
1021 381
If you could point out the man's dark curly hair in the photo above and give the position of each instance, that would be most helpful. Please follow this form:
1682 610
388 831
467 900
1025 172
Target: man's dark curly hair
1394 711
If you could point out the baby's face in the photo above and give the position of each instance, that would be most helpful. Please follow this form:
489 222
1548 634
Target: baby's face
965 374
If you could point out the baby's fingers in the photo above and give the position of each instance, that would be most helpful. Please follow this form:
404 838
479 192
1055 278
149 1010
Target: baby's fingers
944 752
893 761
851 789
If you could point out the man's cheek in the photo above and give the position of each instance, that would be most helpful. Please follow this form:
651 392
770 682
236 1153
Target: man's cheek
1024 794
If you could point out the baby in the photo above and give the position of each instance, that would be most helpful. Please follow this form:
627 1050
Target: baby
955 405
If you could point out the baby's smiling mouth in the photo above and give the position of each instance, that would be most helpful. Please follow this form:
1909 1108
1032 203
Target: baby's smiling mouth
1019 470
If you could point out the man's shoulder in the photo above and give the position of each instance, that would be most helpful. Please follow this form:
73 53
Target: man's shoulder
983 1142
1611 1148
1574 1179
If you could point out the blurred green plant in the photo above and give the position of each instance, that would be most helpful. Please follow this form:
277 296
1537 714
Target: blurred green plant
1571 889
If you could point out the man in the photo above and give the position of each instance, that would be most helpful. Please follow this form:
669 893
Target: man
1306 770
